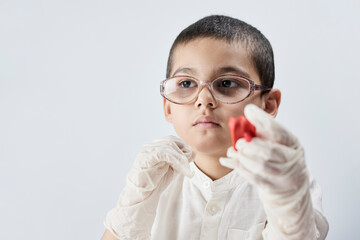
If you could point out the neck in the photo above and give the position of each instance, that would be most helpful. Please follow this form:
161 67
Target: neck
210 165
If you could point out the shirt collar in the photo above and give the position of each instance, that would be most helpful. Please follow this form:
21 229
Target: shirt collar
225 183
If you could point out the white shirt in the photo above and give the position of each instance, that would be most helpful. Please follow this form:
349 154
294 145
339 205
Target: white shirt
227 208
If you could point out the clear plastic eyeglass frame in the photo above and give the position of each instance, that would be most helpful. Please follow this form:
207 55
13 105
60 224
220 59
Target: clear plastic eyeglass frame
201 84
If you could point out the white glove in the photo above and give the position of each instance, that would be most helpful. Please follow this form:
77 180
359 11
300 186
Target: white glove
274 162
152 171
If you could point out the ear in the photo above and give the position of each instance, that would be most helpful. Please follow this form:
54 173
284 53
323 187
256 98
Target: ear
167 110
272 102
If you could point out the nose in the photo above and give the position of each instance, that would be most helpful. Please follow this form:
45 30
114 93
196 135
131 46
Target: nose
205 99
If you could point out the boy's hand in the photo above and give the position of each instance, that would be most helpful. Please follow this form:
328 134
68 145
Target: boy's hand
151 173
152 163
274 162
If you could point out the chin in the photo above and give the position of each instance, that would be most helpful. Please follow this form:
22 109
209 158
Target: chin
209 147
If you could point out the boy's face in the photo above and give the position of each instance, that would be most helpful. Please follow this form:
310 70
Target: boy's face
206 59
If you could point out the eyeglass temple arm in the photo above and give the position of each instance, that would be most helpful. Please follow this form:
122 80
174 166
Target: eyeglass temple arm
261 87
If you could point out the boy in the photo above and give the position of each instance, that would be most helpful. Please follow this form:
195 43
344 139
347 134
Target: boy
219 67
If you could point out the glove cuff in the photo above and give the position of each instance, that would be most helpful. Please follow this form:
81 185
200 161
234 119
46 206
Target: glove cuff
294 220
135 221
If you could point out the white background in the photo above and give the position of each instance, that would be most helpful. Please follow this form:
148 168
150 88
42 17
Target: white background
79 95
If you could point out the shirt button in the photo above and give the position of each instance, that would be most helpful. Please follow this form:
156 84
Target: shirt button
206 184
213 210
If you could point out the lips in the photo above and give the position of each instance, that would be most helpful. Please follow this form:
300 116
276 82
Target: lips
206 121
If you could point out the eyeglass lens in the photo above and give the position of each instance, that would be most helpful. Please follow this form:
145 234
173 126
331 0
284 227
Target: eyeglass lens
226 89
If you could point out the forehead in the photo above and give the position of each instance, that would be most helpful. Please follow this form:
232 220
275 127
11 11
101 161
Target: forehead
208 57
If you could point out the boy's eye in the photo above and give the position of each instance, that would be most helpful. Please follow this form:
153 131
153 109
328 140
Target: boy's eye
187 83
230 83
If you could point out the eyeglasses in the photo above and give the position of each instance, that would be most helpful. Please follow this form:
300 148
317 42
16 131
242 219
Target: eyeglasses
227 89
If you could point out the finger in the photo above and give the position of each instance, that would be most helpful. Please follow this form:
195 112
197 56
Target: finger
184 169
229 162
181 147
258 165
178 161
185 154
267 127
254 179
265 150
170 150
278 177
234 163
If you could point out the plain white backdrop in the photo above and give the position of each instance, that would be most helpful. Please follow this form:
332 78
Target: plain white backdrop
79 95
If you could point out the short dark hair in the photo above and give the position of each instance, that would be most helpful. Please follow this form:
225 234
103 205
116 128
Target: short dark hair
231 29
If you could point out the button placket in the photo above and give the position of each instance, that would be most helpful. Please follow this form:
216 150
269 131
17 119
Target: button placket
213 209
213 215
206 184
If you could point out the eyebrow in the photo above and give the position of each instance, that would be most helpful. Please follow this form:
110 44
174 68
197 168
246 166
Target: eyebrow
184 70
236 70
220 71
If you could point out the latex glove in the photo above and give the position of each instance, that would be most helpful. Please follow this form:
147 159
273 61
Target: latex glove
151 173
274 162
